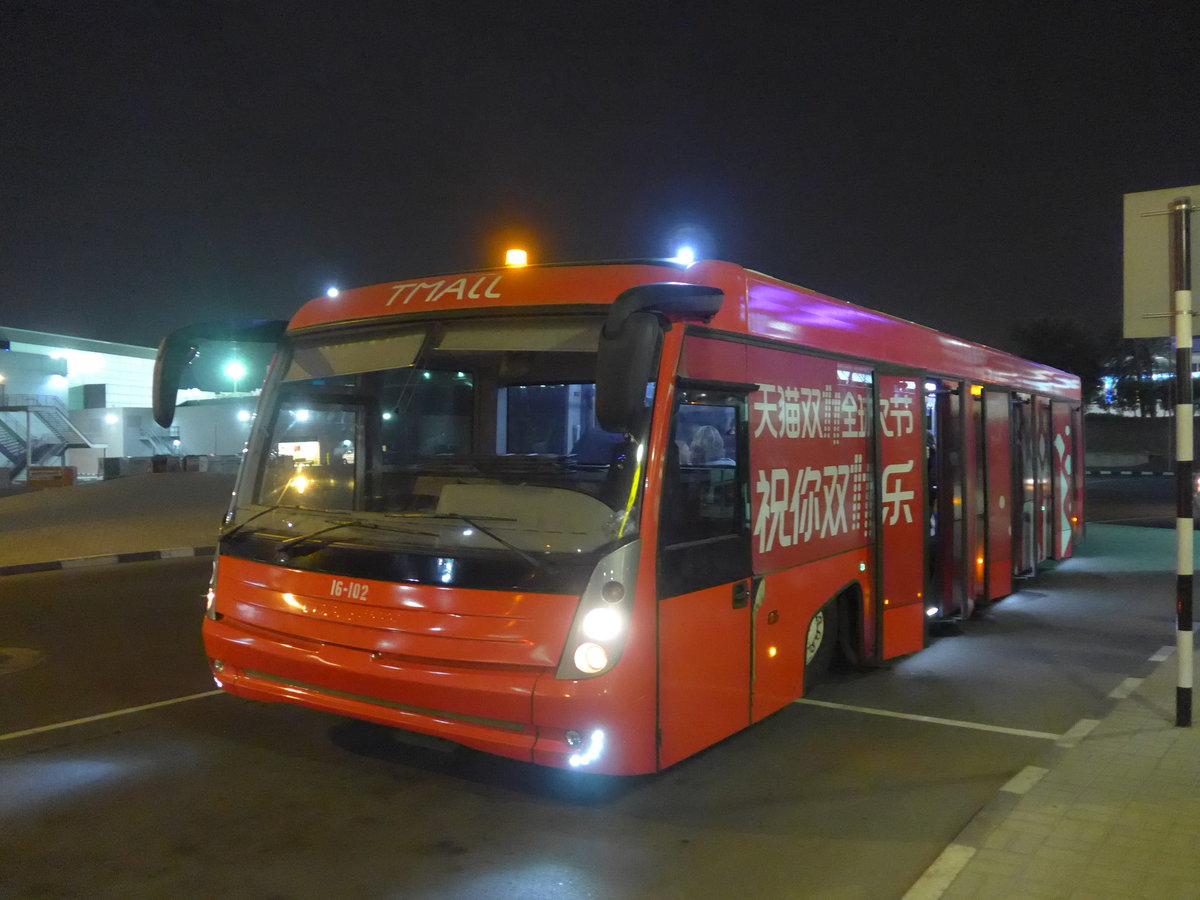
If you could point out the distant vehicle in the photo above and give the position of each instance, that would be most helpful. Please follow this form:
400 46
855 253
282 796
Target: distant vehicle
602 516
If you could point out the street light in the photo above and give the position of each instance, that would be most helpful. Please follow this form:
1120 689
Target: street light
235 371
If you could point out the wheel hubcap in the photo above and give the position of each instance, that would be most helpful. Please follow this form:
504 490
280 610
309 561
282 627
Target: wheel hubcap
816 635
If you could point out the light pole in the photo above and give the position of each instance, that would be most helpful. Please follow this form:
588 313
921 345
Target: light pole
1181 291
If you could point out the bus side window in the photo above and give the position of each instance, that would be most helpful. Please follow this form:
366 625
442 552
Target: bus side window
700 487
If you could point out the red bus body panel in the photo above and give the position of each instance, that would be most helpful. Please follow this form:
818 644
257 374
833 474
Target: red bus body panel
785 602
704 671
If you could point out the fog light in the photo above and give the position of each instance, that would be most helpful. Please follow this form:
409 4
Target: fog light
218 666
594 751
574 739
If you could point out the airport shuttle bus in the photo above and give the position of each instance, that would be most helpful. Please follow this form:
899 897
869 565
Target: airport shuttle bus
602 516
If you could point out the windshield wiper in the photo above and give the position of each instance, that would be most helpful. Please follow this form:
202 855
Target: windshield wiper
544 565
234 529
286 546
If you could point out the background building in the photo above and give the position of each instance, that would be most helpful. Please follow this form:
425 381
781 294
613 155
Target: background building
79 402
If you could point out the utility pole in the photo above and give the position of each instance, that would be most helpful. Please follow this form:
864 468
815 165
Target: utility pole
1181 292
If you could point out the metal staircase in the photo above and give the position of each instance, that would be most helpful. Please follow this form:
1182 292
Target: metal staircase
162 443
12 445
56 435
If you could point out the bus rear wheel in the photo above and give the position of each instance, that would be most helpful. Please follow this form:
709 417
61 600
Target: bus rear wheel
820 644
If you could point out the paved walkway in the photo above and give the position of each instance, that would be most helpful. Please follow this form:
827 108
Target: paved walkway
1111 814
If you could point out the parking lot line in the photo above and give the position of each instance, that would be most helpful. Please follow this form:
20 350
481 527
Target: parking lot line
13 735
933 720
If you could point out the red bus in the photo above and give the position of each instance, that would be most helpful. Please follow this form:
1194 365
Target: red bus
602 516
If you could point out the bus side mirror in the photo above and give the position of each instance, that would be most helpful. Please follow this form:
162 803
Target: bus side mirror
624 366
173 354
629 344
181 346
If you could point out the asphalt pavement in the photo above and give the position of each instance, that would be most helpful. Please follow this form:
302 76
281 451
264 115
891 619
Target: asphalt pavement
130 519
1112 810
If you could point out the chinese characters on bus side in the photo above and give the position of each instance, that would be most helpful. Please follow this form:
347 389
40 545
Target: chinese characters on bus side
896 420
824 428
813 505
813 479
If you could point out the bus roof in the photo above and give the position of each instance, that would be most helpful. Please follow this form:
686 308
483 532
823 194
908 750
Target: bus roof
755 304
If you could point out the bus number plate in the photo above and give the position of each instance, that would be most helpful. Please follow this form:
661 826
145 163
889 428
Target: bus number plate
351 590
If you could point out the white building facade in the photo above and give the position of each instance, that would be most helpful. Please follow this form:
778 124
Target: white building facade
103 391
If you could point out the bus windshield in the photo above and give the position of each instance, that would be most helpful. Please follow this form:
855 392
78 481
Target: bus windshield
473 437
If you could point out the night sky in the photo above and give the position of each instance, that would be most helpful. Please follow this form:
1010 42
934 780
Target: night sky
959 164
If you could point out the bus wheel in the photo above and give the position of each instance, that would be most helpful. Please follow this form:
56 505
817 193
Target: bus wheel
819 644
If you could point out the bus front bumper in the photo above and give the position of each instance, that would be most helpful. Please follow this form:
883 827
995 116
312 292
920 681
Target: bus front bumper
485 708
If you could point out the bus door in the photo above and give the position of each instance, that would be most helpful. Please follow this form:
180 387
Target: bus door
945 550
1025 468
998 458
1044 490
704 587
975 496
1065 463
900 613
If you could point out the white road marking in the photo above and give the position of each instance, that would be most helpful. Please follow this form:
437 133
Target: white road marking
13 735
1024 780
1078 732
1125 688
1162 654
941 874
934 720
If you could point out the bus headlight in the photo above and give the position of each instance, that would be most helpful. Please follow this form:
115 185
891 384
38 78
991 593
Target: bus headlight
591 658
602 624
602 620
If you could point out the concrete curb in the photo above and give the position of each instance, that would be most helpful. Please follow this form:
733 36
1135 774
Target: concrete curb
83 562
